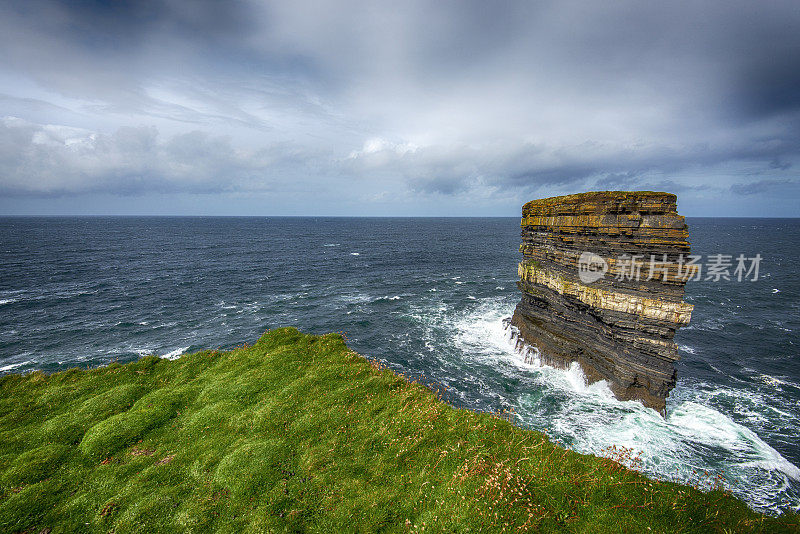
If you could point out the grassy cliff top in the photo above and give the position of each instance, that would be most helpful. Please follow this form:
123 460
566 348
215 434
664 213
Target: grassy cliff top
602 202
299 433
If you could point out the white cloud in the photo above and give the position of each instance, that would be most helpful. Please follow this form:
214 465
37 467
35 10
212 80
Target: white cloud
54 159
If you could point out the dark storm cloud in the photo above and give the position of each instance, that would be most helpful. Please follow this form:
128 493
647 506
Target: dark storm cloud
771 86
115 26
422 99
762 186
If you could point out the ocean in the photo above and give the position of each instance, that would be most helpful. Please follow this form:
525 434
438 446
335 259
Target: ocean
427 297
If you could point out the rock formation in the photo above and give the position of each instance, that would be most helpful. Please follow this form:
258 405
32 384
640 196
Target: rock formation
602 281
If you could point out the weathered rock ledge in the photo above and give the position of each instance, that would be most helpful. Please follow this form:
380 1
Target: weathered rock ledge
619 327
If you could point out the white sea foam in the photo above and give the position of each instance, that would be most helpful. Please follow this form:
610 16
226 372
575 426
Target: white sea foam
13 366
385 298
175 354
777 381
355 254
771 381
7 301
331 244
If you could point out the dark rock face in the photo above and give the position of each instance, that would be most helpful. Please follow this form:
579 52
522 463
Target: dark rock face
616 316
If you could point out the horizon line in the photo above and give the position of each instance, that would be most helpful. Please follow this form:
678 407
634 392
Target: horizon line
131 216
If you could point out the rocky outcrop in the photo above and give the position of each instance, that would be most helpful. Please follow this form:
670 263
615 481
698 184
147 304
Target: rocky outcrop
602 281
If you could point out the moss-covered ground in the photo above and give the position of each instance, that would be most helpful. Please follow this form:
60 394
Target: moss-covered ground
298 433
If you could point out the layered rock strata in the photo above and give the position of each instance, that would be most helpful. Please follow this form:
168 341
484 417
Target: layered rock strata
617 315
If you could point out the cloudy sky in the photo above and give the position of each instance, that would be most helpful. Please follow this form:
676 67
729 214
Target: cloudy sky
396 108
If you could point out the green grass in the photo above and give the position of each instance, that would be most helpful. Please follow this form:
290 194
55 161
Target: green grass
299 433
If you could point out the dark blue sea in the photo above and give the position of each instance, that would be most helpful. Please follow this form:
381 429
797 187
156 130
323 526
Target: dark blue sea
428 297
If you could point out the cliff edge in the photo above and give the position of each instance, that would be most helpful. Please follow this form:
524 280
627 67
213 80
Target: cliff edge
602 281
297 433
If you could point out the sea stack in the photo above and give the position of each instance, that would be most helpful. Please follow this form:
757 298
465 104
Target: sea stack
602 281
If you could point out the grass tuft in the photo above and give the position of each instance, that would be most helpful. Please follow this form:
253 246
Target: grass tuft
117 432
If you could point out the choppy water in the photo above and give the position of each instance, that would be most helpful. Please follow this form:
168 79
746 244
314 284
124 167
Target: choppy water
428 296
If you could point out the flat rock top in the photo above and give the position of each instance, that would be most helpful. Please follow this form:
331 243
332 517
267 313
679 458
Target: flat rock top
599 202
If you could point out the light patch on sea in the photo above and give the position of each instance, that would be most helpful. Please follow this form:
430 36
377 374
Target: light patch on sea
354 298
694 444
